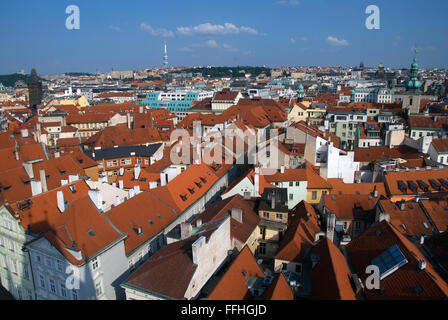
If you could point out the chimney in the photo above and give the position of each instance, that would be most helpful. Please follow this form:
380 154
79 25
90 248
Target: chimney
237 214
282 169
141 109
43 180
72 178
198 223
384 216
128 120
196 249
162 179
422 265
117 200
137 171
152 185
375 192
28 166
402 205
273 200
24 133
121 171
185 230
137 189
422 240
64 182
257 180
120 184
61 202
97 198
131 193
57 154
36 188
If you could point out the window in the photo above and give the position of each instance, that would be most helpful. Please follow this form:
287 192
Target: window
297 183
99 288
284 266
324 193
14 266
52 286
345 225
291 196
314 195
19 292
291 183
128 161
279 216
122 162
11 246
357 225
25 272
59 263
2 242
266 215
74 294
4 262
42 281
299 268
63 290
95 264
262 248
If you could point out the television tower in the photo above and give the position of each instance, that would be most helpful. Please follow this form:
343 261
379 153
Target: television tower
165 58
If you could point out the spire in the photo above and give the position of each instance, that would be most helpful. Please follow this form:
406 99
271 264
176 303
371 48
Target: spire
413 84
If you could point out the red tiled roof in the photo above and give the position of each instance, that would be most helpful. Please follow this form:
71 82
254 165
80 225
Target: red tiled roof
440 145
220 209
350 206
406 283
330 278
278 290
232 285
138 212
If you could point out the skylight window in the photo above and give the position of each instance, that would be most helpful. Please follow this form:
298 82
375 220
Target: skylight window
389 261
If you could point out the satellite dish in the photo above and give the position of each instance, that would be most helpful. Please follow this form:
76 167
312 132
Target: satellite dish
260 261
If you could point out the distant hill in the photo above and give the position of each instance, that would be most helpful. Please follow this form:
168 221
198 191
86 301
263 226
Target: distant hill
77 74
8 80
219 72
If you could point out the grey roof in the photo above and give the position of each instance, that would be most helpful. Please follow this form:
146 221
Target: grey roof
122 152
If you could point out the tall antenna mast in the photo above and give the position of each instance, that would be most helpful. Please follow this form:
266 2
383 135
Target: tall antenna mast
165 57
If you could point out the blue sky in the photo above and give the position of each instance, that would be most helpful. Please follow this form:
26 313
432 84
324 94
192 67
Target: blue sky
130 34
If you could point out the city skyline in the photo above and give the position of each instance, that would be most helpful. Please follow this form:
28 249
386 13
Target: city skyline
294 33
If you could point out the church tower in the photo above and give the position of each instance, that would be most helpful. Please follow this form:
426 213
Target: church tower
412 96
34 91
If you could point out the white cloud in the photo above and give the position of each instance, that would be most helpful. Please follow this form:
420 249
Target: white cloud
337 42
292 40
156 32
211 43
293 3
304 38
115 28
208 28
